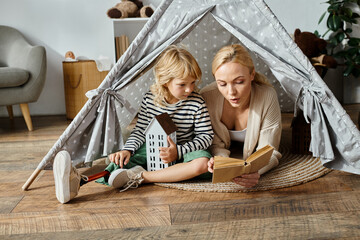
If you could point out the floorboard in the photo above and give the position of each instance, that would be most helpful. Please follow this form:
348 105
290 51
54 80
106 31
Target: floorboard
314 226
83 219
189 213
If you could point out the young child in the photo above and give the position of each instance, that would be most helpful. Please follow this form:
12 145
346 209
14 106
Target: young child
174 92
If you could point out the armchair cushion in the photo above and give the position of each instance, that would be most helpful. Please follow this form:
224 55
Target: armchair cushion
17 52
13 77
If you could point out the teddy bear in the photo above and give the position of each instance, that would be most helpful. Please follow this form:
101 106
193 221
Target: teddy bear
130 8
314 47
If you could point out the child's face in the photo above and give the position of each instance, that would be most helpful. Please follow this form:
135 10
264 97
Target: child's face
180 89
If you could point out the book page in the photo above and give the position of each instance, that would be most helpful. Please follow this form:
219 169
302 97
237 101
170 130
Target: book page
220 162
225 168
260 158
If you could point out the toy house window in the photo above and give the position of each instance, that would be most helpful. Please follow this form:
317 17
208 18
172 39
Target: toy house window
152 166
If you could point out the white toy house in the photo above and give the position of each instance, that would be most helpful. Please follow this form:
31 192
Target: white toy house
156 136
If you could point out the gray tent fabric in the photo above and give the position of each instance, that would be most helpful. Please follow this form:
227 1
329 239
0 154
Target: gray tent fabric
100 127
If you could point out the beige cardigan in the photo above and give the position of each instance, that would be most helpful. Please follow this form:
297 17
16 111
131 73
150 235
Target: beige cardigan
263 127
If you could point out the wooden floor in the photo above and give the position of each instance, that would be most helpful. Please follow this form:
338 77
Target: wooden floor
326 208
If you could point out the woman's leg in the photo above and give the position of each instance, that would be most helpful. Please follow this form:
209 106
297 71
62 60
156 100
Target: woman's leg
178 172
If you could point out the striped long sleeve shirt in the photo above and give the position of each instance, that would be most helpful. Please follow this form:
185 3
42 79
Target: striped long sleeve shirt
191 117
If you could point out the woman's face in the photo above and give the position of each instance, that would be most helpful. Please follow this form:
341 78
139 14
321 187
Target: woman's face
234 83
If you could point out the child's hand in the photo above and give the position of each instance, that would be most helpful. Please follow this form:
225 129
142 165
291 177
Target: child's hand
247 180
168 154
211 165
120 158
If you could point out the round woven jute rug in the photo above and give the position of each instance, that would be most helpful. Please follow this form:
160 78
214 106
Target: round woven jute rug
293 169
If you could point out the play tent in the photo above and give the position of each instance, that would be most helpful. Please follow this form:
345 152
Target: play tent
203 27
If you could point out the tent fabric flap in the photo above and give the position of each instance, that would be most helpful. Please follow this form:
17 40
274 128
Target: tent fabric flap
204 26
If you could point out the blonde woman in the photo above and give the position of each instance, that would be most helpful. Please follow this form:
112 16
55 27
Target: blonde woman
244 110
174 92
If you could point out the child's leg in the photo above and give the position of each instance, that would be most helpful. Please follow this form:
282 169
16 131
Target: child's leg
97 176
178 172
195 164
139 158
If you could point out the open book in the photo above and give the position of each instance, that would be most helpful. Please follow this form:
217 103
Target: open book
225 168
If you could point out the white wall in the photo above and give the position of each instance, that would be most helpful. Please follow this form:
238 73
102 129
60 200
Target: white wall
302 14
83 27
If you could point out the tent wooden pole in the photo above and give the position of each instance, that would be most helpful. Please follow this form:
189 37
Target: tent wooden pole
31 179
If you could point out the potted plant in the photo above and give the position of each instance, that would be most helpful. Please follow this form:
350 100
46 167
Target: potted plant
342 44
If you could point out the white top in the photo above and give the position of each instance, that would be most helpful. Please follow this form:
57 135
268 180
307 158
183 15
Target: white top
263 125
238 136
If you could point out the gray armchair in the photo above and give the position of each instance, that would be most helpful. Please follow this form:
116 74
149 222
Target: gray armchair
22 72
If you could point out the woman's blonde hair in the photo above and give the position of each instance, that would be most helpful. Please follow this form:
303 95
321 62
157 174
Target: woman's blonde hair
173 62
238 54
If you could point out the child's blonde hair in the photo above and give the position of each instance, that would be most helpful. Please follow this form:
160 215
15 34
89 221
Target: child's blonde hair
173 62
238 54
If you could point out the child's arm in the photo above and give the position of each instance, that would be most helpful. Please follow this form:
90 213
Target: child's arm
120 158
168 154
203 132
137 137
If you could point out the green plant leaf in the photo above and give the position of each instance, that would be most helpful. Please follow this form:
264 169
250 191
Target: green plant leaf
317 34
337 22
321 18
333 41
348 12
348 30
354 42
348 70
352 51
330 23
340 37
325 33
346 19
357 60
355 15
333 8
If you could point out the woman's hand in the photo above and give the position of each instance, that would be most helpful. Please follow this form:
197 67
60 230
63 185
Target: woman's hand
168 154
120 158
247 180
211 165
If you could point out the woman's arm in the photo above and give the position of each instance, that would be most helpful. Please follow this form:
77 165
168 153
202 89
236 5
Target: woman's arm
270 132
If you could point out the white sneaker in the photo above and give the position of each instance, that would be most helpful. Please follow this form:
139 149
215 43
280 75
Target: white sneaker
67 178
126 178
